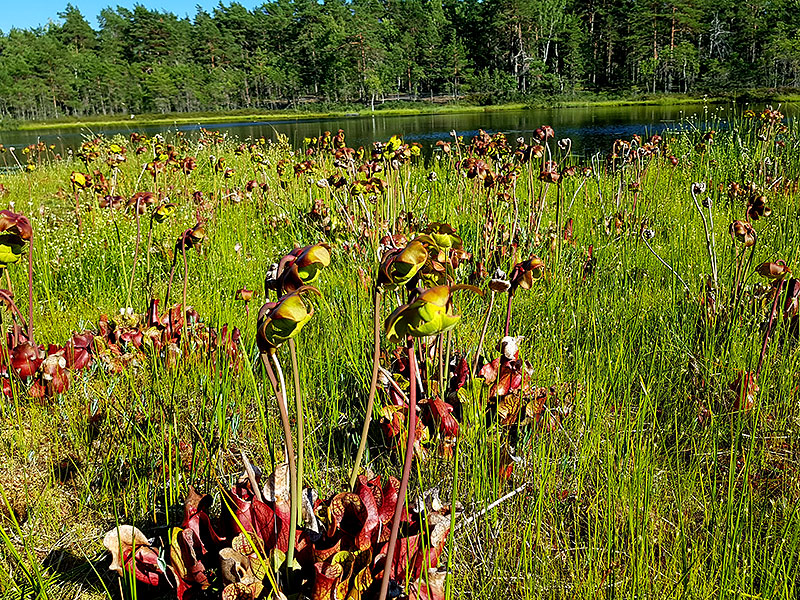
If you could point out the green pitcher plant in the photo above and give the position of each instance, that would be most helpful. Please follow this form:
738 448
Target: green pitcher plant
401 265
295 270
429 314
526 272
442 238
280 321
164 211
300 267
310 261
15 232
522 276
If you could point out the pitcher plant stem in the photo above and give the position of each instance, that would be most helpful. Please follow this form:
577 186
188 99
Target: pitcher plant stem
409 458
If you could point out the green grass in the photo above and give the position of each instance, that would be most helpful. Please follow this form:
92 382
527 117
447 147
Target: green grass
630 496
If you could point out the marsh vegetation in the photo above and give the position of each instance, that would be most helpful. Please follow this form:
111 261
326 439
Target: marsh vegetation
237 368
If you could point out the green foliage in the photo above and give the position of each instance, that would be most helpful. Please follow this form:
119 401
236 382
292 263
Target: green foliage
288 53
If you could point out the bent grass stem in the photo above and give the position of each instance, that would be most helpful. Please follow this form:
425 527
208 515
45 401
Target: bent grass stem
663 262
712 259
483 333
508 313
373 388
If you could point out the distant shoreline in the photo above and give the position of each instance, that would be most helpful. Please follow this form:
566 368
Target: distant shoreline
202 118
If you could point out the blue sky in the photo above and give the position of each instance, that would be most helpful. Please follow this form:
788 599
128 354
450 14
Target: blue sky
33 13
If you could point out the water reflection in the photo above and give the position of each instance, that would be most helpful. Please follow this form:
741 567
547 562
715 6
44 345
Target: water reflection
591 128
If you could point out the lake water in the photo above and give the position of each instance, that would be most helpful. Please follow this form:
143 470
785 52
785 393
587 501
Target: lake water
591 129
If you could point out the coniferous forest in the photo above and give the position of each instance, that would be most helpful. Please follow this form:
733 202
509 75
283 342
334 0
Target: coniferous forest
287 53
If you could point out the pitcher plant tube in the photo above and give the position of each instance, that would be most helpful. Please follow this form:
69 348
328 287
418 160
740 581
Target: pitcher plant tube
15 232
189 239
294 271
522 276
279 322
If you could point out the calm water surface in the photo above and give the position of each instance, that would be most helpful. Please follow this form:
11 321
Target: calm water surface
591 129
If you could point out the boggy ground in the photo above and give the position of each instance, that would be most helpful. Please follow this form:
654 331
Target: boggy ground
636 433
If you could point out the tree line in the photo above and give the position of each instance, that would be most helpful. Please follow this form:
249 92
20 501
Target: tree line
286 53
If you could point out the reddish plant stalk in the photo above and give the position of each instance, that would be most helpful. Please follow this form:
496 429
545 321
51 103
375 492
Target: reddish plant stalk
409 458
135 253
171 275
147 250
30 289
15 311
770 323
78 212
185 276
